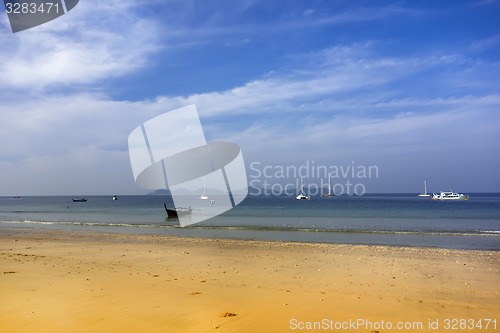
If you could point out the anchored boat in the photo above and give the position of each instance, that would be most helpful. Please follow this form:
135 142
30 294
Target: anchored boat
449 196
204 196
176 212
425 194
329 193
301 195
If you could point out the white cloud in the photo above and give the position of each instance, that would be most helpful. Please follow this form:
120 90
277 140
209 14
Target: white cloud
455 129
323 84
56 124
96 40
485 43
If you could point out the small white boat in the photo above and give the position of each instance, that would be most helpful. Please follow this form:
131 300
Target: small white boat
329 193
449 196
301 195
204 196
115 197
425 194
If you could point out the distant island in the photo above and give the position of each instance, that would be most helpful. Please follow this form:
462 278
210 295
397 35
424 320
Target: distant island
186 192
160 192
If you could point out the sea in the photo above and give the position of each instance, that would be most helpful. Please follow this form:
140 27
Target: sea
371 219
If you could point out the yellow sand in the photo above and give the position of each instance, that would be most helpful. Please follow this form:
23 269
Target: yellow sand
53 281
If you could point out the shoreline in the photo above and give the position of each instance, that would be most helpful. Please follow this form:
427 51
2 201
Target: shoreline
439 240
79 234
83 281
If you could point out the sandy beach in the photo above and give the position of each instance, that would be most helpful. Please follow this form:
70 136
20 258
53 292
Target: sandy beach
55 281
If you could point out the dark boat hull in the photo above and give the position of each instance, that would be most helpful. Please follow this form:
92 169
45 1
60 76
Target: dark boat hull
175 213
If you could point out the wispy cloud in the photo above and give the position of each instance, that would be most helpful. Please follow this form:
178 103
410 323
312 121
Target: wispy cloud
325 81
481 3
319 91
211 20
97 41
485 43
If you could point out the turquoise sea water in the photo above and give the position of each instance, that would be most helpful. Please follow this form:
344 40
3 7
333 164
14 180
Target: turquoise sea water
386 219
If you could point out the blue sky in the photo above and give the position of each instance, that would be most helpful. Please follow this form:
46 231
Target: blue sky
409 86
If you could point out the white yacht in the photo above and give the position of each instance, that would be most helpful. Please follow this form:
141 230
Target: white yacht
301 195
329 193
425 194
449 196
204 196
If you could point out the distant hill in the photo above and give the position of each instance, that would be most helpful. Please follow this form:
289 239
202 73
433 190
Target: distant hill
185 192
160 192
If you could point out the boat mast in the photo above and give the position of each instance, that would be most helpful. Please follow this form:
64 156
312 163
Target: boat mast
204 196
329 184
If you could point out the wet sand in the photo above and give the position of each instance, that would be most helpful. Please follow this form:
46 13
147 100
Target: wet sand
55 281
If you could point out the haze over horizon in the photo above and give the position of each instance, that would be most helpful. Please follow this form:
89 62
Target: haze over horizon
411 88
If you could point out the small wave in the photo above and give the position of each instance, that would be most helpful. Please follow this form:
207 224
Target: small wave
90 224
350 231
495 232
104 225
